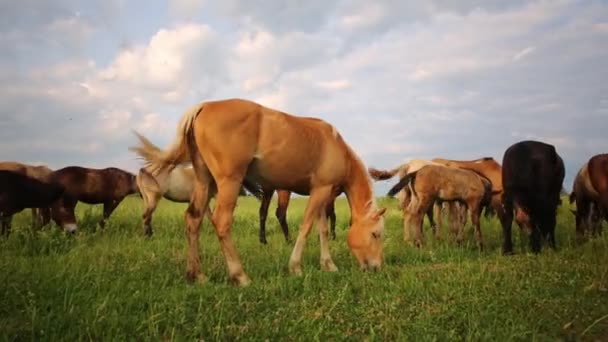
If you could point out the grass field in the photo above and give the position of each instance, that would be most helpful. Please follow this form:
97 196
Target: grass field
115 284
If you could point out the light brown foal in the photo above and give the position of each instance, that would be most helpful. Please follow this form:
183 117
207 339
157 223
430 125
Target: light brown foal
228 141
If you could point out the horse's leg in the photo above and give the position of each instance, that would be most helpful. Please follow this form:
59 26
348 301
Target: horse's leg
583 213
424 204
199 202
438 213
409 207
45 216
281 212
475 212
327 264
228 189
430 213
316 199
108 208
6 224
35 218
331 215
150 203
263 213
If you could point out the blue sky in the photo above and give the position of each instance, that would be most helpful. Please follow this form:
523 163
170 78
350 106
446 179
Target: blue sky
399 79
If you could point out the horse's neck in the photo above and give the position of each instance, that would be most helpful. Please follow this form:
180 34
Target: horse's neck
358 190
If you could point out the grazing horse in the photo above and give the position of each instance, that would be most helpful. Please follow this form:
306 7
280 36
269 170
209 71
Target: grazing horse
445 184
40 216
92 186
532 176
488 168
18 191
587 213
229 141
177 186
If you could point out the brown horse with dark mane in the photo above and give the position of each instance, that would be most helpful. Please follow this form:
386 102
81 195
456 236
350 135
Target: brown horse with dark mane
228 141
107 186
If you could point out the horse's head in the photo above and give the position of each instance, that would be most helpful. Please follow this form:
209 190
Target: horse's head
523 219
365 239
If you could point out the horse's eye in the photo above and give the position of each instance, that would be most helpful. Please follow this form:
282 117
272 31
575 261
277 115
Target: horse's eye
376 235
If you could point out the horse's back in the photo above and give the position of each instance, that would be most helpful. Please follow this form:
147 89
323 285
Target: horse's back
281 150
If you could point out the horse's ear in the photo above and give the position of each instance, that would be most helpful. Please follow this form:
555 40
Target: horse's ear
379 213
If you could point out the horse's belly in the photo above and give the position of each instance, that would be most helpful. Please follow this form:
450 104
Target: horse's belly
282 178
178 194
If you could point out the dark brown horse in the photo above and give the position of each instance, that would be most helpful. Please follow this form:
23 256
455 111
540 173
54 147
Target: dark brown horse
40 216
18 191
92 186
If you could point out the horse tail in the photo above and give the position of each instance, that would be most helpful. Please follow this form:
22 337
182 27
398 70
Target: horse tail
402 184
382 175
158 160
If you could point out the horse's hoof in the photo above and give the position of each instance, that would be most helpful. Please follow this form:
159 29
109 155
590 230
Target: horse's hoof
329 266
263 241
196 278
241 280
295 269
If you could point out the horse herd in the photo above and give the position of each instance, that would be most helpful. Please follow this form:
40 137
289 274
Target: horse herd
222 146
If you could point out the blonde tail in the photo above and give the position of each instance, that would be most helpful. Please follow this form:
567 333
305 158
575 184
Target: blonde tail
157 160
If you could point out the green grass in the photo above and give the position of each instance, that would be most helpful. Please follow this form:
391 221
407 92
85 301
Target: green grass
116 285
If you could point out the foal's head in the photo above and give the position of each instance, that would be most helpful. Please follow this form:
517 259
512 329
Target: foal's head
365 239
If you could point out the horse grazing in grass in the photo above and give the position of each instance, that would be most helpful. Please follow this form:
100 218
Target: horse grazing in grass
18 191
229 141
40 216
178 184
107 186
532 175
587 213
445 184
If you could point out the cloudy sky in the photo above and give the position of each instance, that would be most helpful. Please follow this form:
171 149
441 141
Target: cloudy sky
399 79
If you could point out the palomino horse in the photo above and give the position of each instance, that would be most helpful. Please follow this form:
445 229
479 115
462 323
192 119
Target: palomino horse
93 186
445 184
40 216
18 191
229 141
281 212
177 186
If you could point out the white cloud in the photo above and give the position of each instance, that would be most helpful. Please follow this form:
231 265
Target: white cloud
169 58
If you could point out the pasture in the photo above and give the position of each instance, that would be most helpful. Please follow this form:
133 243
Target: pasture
116 284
